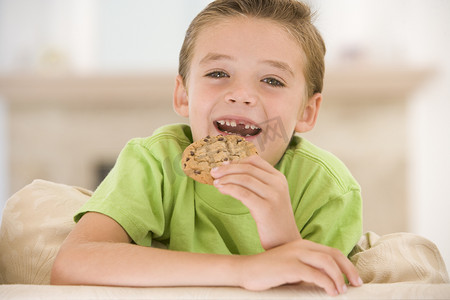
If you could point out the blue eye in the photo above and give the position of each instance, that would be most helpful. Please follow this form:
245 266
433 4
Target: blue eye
273 82
217 74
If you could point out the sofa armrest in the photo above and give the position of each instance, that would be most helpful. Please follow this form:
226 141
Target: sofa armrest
35 222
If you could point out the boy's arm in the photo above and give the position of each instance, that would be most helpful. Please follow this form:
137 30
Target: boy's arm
98 252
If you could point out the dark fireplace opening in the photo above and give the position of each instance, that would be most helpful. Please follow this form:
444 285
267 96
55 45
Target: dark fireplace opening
102 169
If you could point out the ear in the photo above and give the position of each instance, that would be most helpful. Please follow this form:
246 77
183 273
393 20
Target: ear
180 98
308 116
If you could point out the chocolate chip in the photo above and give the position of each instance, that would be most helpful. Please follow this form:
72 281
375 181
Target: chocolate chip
198 172
220 138
225 159
188 158
192 153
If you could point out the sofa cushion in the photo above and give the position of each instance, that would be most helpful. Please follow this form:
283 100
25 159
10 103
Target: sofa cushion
35 222
398 257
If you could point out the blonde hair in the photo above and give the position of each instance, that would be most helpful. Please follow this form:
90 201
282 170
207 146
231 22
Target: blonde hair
294 16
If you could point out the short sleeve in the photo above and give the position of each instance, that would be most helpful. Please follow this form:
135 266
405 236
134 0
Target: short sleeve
326 198
337 223
129 194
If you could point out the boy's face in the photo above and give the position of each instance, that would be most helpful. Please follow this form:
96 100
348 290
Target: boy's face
246 78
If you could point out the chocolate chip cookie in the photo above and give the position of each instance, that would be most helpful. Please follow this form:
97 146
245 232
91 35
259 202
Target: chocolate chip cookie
201 156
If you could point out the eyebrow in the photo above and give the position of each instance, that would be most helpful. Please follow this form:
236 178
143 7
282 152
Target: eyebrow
280 65
214 57
274 63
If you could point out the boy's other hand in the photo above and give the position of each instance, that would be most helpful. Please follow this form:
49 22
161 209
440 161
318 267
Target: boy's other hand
295 262
264 190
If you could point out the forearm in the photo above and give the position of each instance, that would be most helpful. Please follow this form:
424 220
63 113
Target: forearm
278 232
122 264
105 256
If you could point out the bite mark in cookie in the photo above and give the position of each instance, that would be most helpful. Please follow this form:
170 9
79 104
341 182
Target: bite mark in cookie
201 156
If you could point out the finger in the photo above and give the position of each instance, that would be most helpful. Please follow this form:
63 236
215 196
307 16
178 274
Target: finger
242 168
246 183
268 176
348 268
315 276
277 179
260 163
326 264
345 265
246 196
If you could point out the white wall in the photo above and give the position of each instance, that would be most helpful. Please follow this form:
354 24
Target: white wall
413 33
430 124
47 35
145 35
4 167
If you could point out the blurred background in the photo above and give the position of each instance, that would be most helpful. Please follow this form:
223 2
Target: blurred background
79 78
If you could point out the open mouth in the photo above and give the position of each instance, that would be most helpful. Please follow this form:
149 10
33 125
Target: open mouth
238 127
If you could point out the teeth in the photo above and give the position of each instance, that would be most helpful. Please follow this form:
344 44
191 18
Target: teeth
233 123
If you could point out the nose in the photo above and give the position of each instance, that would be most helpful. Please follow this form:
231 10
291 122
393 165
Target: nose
242 95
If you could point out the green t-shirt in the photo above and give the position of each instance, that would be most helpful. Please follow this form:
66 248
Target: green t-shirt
148 194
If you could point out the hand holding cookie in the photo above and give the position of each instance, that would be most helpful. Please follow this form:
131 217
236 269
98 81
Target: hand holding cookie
253 181
201 156
265 192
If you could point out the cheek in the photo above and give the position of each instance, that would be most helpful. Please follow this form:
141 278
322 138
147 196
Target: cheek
287 115
199 119
201 96
199 111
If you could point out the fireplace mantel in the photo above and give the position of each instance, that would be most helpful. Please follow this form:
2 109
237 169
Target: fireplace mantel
366 84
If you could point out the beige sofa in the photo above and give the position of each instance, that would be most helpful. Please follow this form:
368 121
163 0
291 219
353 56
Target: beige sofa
38 217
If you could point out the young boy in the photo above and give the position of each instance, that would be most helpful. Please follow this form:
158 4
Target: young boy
249 67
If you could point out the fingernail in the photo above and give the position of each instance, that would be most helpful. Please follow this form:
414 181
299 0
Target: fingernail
214 169
360 282
344 288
